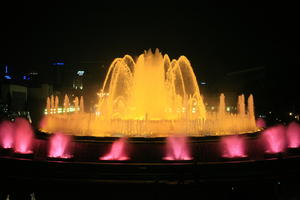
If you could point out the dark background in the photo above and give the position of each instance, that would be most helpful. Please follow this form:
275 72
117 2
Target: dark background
217 39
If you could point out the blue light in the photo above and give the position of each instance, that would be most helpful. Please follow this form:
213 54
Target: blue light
6 69
7 77
24 77
58 64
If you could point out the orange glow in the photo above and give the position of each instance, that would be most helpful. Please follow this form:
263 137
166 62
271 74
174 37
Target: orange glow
151 96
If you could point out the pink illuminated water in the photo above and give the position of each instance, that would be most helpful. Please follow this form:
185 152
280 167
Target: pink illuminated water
233 147
177 148
6 135
60 146
293 135
261 123
274 139
117 151
23 136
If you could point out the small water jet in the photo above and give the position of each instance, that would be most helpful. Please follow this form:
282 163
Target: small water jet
177 148
23 136
118 151
6 135
233 147
60 146
274 139
261 123
293 135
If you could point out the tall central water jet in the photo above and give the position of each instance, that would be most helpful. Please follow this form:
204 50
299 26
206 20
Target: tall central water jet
153 88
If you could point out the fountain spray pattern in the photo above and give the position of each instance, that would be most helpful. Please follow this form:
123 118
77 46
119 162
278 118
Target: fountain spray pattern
293 135
152 96
177 148
60 146
6 134
118 151
261 123
274 139
23 136
233 146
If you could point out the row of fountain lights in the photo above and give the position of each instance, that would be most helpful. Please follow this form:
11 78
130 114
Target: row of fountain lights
19 136
53 108
52 105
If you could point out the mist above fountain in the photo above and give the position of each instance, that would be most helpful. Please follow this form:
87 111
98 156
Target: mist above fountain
151 96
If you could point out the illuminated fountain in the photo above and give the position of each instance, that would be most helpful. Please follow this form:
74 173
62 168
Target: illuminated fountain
6 135
177 148
60 146
261 123
118 151
274 139
151 96
233 146
151 115
23 136
293 135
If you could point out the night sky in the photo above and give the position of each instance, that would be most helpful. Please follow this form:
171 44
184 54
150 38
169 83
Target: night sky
217 39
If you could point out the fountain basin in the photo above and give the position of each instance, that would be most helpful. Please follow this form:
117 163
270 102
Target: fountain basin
140 149
146 164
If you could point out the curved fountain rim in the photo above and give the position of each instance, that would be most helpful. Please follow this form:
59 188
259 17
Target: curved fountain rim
193 139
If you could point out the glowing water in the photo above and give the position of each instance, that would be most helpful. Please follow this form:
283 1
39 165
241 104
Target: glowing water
6 135
261 123
177 148
151 96
118 151
81 104
60 146
66 103
274 139
293 135
233 147
23 136
76 104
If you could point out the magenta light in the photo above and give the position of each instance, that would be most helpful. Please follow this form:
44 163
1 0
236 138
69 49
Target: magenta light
117 151
177 148
274 139
23 136
6 135
293 135
233 146
60 146
261 123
